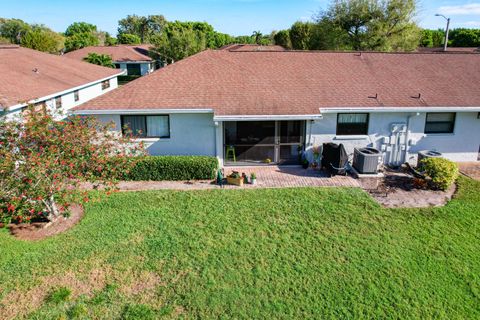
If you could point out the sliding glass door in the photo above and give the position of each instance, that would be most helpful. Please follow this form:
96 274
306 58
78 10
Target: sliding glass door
291 139
263 142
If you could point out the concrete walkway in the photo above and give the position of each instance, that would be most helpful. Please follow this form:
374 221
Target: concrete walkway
470 169
267 177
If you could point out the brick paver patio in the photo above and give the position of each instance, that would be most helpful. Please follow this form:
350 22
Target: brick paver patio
471 169
267 177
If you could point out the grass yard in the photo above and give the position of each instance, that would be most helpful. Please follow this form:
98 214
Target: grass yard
291 253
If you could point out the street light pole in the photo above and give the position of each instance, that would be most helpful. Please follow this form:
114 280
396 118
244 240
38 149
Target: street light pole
446 31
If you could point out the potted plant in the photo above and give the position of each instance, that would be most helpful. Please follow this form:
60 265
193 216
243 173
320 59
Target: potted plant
305 164
235 178
316 156
253 178
245 178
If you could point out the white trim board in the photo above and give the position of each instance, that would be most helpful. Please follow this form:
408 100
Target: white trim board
139 111
398 109
268 117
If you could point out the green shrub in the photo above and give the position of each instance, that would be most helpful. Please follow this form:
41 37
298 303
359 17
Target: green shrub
443 172
173 168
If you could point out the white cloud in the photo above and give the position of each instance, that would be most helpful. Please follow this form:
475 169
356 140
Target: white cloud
466 9
472 23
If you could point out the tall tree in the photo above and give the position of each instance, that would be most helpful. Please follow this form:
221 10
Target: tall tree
463 37
109 40
43 39
301 35
144 27
375 24
80 35
432 38
282 38
127 38
80 27
13 29
81 40
257 36
179 44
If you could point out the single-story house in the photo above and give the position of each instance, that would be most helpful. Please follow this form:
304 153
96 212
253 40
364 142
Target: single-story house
134 59
32 77
254 106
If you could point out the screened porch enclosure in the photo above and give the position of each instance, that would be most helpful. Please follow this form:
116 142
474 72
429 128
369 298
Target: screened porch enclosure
263 142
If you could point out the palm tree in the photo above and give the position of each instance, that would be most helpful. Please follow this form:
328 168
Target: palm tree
257 35
100 59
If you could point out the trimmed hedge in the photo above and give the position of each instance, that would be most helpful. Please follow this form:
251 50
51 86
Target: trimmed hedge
443 172
173 168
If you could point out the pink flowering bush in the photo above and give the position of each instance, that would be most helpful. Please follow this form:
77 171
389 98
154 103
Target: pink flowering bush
43 162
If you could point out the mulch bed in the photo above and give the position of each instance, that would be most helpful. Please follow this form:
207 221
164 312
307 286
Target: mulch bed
40 230
400 190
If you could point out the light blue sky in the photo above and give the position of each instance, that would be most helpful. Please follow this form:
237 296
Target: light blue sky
237 17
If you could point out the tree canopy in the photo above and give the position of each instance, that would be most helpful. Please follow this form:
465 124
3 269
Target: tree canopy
80 27
144 27
128 38
377 25
386 25
81 40
301 35
13 29
82 34
282 38
43 39
463 37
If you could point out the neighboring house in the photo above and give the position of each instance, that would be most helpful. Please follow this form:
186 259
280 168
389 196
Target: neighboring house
272 105
134 59
30 77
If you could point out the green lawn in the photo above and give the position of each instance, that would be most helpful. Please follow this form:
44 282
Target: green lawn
291 253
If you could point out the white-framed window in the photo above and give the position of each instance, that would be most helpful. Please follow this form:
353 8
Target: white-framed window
147 126
349 124
440 122
76 95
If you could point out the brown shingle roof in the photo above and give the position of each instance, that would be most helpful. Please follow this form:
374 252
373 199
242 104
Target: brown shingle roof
252 47
299 83
449 50
121 53
27 74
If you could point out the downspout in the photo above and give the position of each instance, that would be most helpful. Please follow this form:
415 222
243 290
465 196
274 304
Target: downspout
216 124
407 136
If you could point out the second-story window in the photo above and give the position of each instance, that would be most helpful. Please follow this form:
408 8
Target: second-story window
76 95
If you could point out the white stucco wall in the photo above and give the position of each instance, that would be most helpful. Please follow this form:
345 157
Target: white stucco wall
197 134
462 145
190 134
86 93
